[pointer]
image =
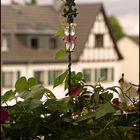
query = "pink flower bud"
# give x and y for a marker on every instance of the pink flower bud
(4, 115)
(74, 90)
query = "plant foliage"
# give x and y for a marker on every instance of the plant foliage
(89, 113)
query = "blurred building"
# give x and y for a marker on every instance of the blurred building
(129, 47)
(29, 45)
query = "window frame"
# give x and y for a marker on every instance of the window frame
(99, 43)
(52, 42)
(4, 44)
(37, 43)
(89, 79)
(109, 74)
(54, 76)
(14, 77)
(41, 75)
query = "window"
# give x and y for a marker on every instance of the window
(17, 74)
(34, 43)
(52, 42)
(9, 79)
(39, 76)
(99, 40)
(112, 74)
(106, 74)
(87, 75)
(101, 73)
(4, 44)
(52, 75)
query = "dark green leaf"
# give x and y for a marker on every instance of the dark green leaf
(64, 104)
(59, 54)
(107, 96)
(96, 97)
(7, 96)
(73, 74)
(31, 82)
(21, 84)
(66, 83)
(37, 91)
(34, 104)
(24, 94)
(79, 76)
(59, 80)
(83, 118)
(104, 109)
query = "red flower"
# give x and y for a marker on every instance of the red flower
(4, 115)
(70, 39)
(74, 90)
(115, 101)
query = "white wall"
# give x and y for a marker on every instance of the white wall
(130, 65)
(107, 52)
(28, 70)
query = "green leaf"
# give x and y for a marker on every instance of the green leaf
(21, 84)
(96, 97)
(51, 105)
(64, 104)
(59, 32)
(7, 96)
(59, 80)
(107, 96)
(49, 94)
(66, 83)
(103, 110)
(37, 92)
(79, 76)
(24, 94)
(34, 104)
(73, 74)
(83, 118)
(31, 82)
(59, 54)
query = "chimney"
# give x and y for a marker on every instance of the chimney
(57, 4)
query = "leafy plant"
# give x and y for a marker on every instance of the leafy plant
(89, 113)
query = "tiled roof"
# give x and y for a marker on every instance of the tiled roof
(15, 17)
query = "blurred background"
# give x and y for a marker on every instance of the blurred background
(126, 11)
(118, 53)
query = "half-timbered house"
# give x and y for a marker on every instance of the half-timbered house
(29, 45)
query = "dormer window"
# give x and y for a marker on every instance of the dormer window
(4, 44)
(52, 42)
(34, 43)
(99, 40)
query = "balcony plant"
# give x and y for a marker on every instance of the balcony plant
(87, 112)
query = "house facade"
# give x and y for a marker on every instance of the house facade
(29, 45)
(129, 46)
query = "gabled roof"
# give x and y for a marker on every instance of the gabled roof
(12, 17)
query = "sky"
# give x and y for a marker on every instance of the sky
(126, 11)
